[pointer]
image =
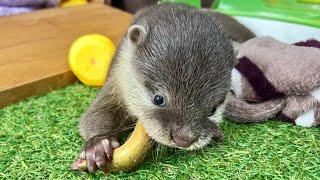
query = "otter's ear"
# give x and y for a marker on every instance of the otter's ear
(137, 34)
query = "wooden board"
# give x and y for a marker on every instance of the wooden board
(34, 47)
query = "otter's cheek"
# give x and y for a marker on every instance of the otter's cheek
(211, 131)
(217, 117)
(156, 131)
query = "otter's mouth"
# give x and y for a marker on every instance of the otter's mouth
(200, 143)
(182, 141)
(197, 143)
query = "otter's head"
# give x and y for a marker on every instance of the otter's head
(176, 81)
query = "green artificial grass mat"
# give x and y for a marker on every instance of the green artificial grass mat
(39, 139)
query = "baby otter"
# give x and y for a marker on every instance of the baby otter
(172, 71)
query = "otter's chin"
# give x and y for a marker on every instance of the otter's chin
(200, 143)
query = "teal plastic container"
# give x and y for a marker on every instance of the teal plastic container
(194, 3)
(296, 11)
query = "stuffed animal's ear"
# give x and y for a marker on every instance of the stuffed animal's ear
(137, 34)
(235, 46)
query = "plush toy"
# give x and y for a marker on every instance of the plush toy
(10, 7)
(70, 3)
(275, 79)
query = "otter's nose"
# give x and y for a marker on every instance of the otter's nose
(182, 141)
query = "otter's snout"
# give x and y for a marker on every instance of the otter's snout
(180, 139)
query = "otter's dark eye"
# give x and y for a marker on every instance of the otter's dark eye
(158, 100)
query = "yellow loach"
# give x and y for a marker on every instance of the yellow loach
(70, 3)
(131, 153)
(90, 57)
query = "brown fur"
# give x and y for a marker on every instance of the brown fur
(174, 51)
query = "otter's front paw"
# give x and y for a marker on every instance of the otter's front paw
(97, 152)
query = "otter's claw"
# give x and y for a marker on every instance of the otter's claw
(96, 153)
